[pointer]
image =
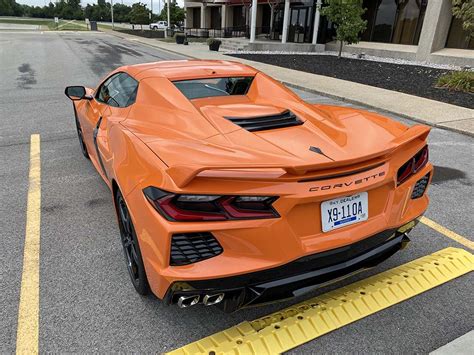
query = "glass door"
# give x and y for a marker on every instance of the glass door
(299, 30)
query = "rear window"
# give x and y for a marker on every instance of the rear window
(200, 88)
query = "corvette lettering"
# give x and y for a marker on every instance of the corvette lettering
(348, 184)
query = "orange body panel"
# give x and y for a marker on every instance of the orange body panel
(188, 147)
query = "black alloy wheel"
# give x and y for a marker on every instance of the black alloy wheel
(81, 140)
(133, 256)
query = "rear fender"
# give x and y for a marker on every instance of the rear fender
(133, 161)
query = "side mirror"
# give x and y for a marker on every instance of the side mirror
(76, 92)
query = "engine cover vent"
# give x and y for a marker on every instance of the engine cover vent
(261, 123)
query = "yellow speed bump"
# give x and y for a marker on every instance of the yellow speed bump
(298, 324)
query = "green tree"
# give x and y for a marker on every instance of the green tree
(10, 8)
(464, 11)
(346, 15)
(140, 15)
(69, 9)
(177, 13)
(98, 12)
(122, 13)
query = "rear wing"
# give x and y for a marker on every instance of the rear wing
(182, 175)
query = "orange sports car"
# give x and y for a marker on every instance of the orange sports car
(230, 190)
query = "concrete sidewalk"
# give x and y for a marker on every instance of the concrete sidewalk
(416, 108)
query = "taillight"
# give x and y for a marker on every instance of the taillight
(421, 158)
(185, 208)
(412, 166)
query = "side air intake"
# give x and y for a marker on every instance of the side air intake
(188, 248)
(261, 123)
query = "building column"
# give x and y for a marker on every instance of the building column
(316, 22)
(186, 15)
(223, 16)
(286, 17)
(253, 21)
(435, 28)
(203, 15)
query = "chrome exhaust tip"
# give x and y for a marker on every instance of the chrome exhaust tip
(210, 300)
(188, 301)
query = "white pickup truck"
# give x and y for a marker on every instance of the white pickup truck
(160, 25)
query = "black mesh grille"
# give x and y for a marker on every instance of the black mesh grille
(261, 123)
(192, 247)
(420, 187)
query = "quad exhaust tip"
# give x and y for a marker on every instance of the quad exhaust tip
(210, 300)
(188, 301)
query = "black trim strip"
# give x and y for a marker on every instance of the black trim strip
(99, 158)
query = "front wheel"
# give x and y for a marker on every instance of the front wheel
(133, 255)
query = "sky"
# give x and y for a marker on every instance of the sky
(157, 4)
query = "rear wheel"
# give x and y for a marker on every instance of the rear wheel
(133, 256)
(81, 140)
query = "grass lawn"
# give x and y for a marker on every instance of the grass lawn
(65, 25)
(106, 27)
(46, 24)
(37, 22)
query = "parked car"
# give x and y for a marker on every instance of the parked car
(230, 190)
(160, 25)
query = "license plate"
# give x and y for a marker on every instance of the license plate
(343, 211)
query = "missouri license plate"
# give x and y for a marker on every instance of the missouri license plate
(343, 211)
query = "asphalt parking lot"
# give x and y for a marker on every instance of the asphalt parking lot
(87, 303)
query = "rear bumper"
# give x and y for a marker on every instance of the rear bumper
(296, 277)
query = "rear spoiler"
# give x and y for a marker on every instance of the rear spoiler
(182, 175)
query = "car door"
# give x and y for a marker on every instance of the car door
(116, 98)
(93, 111)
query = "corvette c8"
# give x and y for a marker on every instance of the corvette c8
(230, 190)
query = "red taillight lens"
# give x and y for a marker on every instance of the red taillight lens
(413, 165)
(421, 158)
(185, 208)
(245, 207)
(170, 208)
(405, 171)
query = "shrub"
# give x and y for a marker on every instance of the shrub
(457, 81)
(464, 11)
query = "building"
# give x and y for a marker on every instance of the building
(422, 30)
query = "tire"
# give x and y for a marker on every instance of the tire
(131, 249)
(81, 139)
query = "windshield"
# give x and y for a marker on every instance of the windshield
(200, 88)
